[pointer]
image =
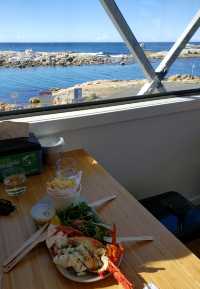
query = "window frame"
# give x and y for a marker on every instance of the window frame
(95, 104)
(154, 76)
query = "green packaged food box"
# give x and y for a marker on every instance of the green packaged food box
(25, 153)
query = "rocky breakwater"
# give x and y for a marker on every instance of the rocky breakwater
(185, 53)
(185, 78)
(29, 58)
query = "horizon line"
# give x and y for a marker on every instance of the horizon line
(24, 42)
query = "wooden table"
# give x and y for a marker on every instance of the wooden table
(166, 262)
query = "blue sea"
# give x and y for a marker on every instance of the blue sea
(28, 82)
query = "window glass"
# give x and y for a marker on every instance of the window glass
(63, 52)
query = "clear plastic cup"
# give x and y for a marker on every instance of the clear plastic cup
(64, 199)
(64, 189)
(66, 167)
(14, 180)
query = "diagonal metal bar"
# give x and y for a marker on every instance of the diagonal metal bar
(173, 53)
(179, 45)
(127, 35)
(150, 86)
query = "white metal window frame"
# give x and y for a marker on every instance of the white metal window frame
(156, 76)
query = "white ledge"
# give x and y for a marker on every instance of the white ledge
(57, 122)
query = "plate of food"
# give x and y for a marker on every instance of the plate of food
(75, 240)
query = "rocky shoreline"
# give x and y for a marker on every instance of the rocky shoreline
(99, 90)
(29, 58)
(104, 89)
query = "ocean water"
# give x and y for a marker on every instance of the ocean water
(93, 47)
(28, 82)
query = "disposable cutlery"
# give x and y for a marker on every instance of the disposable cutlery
(26, 244)
(130, 239)
(102, 201)
(19, 257)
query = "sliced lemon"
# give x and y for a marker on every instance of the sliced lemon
(70, 183)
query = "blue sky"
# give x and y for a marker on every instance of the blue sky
(85, 20)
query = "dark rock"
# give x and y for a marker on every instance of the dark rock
(34, 100)
(70, 59)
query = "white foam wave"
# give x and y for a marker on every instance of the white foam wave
(118, 55)
(101, 53)
(91, 53)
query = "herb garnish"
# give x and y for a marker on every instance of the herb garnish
(83, 218)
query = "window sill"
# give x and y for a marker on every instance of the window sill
(71, 120)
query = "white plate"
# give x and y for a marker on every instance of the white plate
(88, 278)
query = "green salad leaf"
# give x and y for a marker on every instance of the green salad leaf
(83, 218)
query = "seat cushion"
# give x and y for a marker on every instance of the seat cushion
(176, 213)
